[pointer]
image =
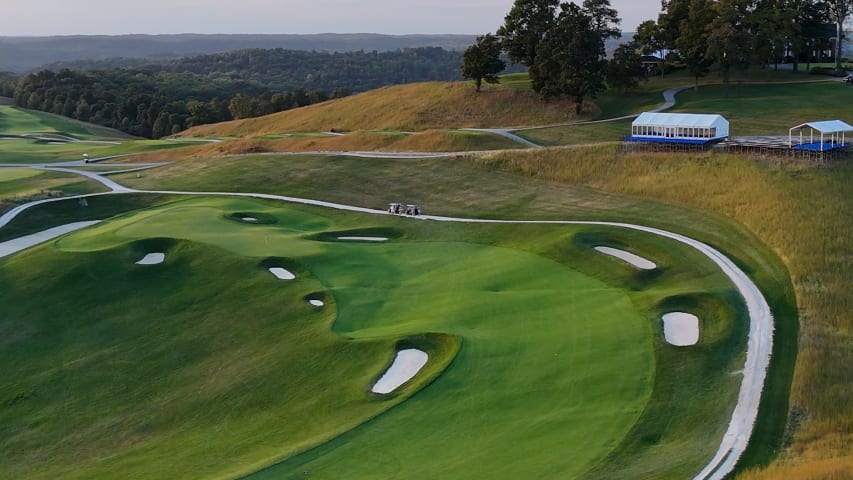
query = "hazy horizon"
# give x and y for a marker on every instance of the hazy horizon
(159, 17)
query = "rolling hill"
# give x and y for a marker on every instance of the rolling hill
(412, 107)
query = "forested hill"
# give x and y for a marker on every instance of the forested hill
(160, 99)
(22, 54)
(283, 70)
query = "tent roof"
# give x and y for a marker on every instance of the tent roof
(678, 119)
(827, 126)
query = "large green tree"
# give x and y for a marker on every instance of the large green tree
(671, 20)
(650, 39)
(605, 19)
(482, 61)
(570, 59)
(625, 69)
(692, 39)
(524, 28)
(839, 10)
(728, 35)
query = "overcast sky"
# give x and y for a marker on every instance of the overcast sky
(112, 17)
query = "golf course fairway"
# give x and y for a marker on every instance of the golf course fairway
(207, 366)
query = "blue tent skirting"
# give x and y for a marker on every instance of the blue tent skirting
(818, 147)
(677, 141)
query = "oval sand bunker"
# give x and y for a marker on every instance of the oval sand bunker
(316, 303)
(152, 259)
(406, 365)
(628, 257)
(282, 274)
(249, 219)
(364, 239)
(681, 329)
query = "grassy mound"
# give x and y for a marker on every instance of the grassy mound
(414, 107)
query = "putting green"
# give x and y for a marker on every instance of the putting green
(206, 366)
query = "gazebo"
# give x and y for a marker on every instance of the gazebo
(832, 136)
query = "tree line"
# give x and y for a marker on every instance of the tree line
(161, 99)
(562, 43)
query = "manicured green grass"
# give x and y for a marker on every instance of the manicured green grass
(16, 121)
(20, 185)
(478, 187)
(163, 380)
(31, 151)
(578, 134)
(770, 109)
(13, 174)
(750, 109)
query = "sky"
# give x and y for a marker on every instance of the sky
(114, 17)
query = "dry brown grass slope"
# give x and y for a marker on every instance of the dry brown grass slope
(413, 107)
(426, 141)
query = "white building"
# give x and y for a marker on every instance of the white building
(679, 128)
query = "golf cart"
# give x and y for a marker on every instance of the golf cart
(401, 209)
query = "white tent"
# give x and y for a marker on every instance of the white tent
(680, 126)
(835, 129)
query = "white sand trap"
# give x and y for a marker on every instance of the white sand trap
(282, 274)
(152, 259)
(406, 365)
(634, 260)
(316, 303)
(365, 239)
(249, 219)
(681, 329)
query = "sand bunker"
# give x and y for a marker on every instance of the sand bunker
(365, 239)
(249, 219)
(681, 329)
(316, 303)
(406, 365)
(634, 260)
(282, 274)
(152, 259)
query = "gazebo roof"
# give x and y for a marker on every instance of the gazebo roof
(699, 120)
(826, 126)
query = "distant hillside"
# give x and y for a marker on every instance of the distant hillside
(284, 70)
(414, 107)
(21, 54)
(162, 99)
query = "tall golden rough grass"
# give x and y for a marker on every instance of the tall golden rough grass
(426, 141)
(805, 214)
(414, 107)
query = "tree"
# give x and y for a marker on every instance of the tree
(670, 21)
(839, 10)
(240, 106)
(771, 24)
(625, 69)
(727, 36)
(605, 19)
(692, 38)
(524, 28)
(650, 40)
(482, 61)
(570, 59)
